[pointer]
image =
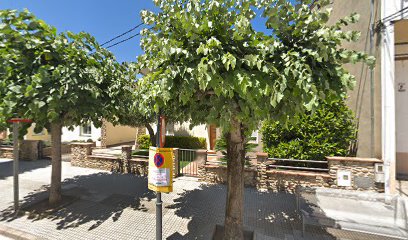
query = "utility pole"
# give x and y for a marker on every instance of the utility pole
(16, 156)
(16, 152)
(158, 194)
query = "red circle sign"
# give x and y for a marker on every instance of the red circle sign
(158, 160)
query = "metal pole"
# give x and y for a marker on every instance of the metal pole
(15, 164)
(372, 109)
(158, 194)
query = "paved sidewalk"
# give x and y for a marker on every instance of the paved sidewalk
(119, 206)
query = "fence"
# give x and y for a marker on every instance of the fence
(301, 165)
(189, 161)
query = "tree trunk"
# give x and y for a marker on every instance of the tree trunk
(235, 186)
(151, 134)
(55, 189)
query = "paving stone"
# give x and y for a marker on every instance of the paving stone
(119, 206)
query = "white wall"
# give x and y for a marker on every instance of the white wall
(401, 97)
(68, 136)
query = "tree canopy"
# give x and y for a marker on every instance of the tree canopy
(207, 57)
(49, 77)
(56, 80)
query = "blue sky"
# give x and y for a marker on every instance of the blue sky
(102, 18)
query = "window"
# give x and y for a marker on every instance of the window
(86, 130)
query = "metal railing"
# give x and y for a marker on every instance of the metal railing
(188, 161)
(305, 165)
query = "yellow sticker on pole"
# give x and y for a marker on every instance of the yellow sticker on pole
(160, 178)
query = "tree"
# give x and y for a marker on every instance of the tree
(138, 108)
(55, 79)
(208, 58)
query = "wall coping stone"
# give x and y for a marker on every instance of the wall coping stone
(212, 166)
(6, 148)
(138, 160)
(103, 157)
(262, 154)
(299, 173)
(81, 144)
(354, 159)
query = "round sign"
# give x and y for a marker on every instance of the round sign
(158, 160)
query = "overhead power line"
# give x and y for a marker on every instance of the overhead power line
(392, 16)
(120, 35)
(122, 41)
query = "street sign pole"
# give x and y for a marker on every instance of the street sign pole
(15, 164)
(158, 194)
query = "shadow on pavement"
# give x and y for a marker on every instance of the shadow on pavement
(269, 214)
(101, 196)
(6, 167)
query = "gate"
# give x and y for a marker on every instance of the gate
(189, 160)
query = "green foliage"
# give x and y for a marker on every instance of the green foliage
(144, 141)
(328, 131)
(140, 153)
(221, 145)
(186, 142)
(50, 77)
(206, 59)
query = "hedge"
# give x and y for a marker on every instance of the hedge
(175, 142)
(327, 132)
(144, 141)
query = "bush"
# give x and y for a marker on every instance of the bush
(144, 141)
(186, 142)
(327, 132)
(140, 153)
(221, 146)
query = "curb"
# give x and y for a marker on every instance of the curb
(16, 234)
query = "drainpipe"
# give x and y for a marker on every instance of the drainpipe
(372, 129)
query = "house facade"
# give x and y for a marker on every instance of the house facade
(107, 135)
(379, 99)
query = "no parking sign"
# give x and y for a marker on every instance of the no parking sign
(160, 169)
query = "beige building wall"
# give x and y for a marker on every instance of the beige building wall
(43, 136)
(401, 97)
(119, 134)
(359, 97)
(183, 129)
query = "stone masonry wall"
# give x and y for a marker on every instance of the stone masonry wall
(138, 166)
(362, 172)
(288, 180)
(218, 174)
(82, 157)
(29, 150)
(6, 152)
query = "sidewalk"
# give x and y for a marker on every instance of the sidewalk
(116, 206)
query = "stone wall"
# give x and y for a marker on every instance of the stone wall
(289, 180)
(362, 175)
(80, 153)
(82, 157)
(218, 174)
(65, 149)
(362, 172)
(138, 166)
(6, 152)
(30, 150)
